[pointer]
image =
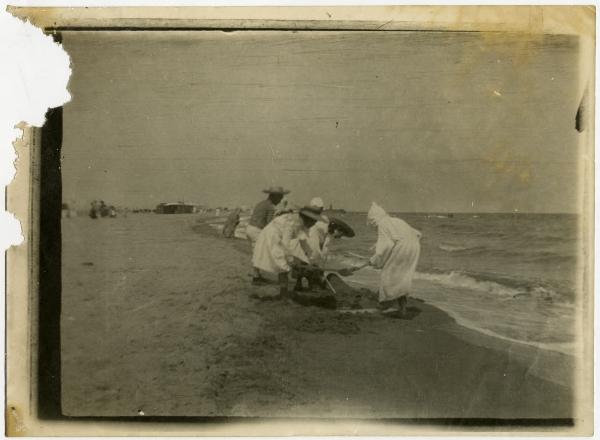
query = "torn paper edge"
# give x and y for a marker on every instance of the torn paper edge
(35, 74)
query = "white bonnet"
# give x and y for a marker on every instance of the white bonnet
(317, 202)
(376, 213)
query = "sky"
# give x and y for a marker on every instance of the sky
(417, 121)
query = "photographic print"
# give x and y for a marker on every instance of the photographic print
(345, 223)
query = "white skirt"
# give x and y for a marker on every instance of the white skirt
(399, 268)
(252, 233)
(269, 254)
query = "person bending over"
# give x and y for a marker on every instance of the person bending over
(283, 243)
(396, 253)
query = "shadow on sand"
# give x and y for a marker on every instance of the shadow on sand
(323, 299)
(326, 300)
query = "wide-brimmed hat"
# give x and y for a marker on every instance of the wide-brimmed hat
(375, 214)
(312, 212)
(343, 227)
(276, 190)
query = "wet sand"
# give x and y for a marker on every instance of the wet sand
(159, 318)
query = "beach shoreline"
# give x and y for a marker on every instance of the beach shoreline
(188, 335)
(532, 355)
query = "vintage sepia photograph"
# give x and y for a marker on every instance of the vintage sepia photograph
(345, 223)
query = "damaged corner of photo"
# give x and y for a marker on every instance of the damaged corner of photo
(34, 79)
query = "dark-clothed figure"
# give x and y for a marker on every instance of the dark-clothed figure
(94, 209)
(104, 212)
(262, 215)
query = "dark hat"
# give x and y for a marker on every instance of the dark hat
(313, 213)
(343, 227)
(276, 190)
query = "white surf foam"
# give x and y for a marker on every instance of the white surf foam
(459, 280)
(461, 285)
(568, 348)
(453, 248)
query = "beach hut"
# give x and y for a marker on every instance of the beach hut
(176, 208)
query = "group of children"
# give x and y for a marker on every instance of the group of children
(296, 241)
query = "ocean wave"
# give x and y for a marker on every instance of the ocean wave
(524, 254)
(489, 283)
(550, 238)
(471, 230)
(552, 258)
(485, 284)
(460, 280)
(458, 248)
(569, 348)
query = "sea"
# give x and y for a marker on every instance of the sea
(514, 276)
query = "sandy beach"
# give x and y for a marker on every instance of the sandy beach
(159, 318)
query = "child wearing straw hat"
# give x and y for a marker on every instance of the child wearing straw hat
(284, 241)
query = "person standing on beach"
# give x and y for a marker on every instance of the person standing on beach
(262, 215)
(396, 253)
(233, 220)
(283, 242)
(94, 210)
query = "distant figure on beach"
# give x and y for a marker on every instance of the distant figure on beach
(396, 253)
(233, 220)
(262, 215)
(283, 242)
(104, 211)
(94, 209)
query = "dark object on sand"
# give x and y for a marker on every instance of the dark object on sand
(320, 298)
(336, 224)
(348, 297)
(260, 281)
(231, 223)
(312, 274)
